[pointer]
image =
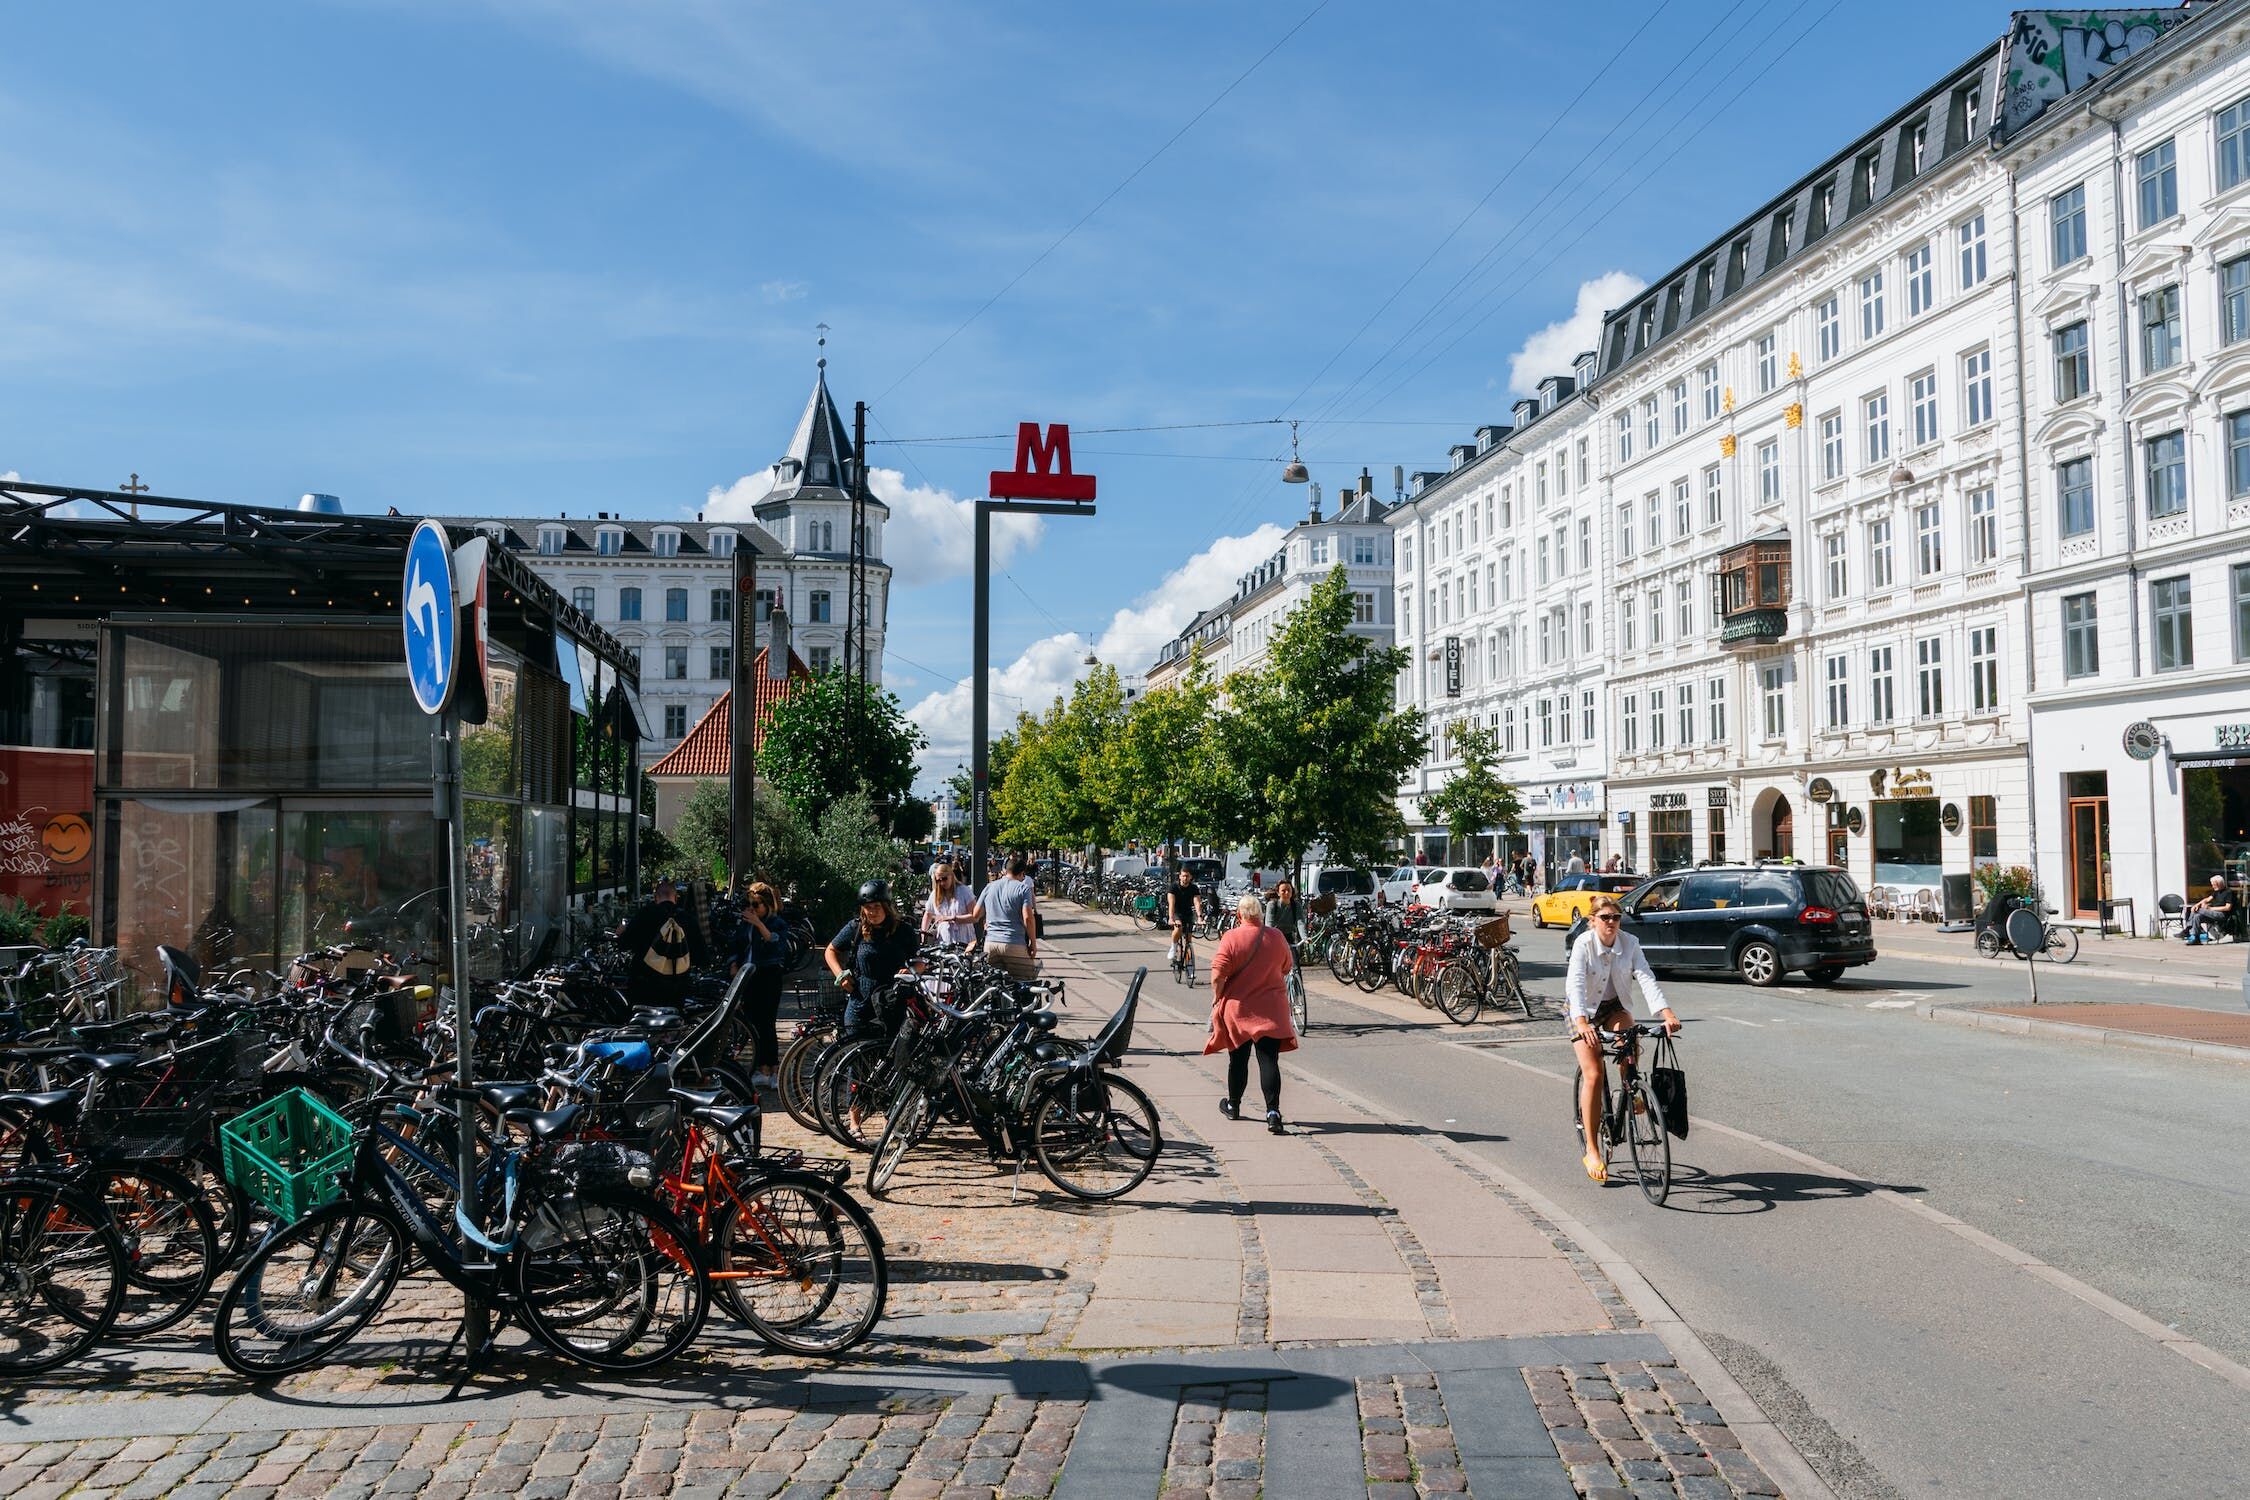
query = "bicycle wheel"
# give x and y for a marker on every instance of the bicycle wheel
(1370, 971)
(908, 1122)
(798, 1069)
(1096, 1136)
(1340, 959)
(2062, 943)
(1299, 1016)
(855, 1093)
(1460, 993)
(609, 1278)
(62, 1275)
(171, 1247)
(309, 1289)
(801, 1263)
(1989, 942)
(1650, 1144)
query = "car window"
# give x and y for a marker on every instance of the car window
(1710, 891)
(1769, 888)
(1470, 880)
(1403, 872)
(1618, 885)
(1431, 877)
(1832, 889)
(1663, 895)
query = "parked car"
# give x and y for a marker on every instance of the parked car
(1206, 870)
(1574, 896)
(1446, 887)
(1124, 867)
(1399, 886)
(1761, 921)
(1339, 881)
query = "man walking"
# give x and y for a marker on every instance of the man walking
(1010, 912)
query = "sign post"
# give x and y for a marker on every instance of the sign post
(432, 617)
(1041, 483)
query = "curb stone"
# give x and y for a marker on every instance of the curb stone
(2070, 1031)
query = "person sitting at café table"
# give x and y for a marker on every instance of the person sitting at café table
(2211, 920)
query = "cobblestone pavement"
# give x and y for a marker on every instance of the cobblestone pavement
(1640, 1429)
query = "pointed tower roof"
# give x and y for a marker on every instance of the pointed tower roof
(817, 464)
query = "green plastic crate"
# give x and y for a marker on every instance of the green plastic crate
(288, 1154)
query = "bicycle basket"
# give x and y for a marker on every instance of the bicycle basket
(1669, 1084)
(289, 1154)
(129, 1135)
(1493, 934)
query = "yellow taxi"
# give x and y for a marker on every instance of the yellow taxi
(1573, 897)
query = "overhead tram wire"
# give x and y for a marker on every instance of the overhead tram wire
(1150, 161)
(1478, 207)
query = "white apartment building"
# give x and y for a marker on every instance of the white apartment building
(2132, 206)
(1808, 482)
(666, 588)
(1500, 603)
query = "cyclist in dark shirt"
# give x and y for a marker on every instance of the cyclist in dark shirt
(1180, 902)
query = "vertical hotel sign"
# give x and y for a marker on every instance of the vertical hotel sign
(1453, 666)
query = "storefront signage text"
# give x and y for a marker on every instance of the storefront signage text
(1821, 790)
(1916, 783)
(1715, 796)
(1660, 800)
(2233, 736)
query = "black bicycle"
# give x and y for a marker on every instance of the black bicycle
(1632, 1112)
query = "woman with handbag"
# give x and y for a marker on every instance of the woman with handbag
(1250, 1009)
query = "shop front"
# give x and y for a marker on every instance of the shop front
(1562, 821)
(1919, 829)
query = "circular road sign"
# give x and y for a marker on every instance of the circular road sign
(427, 612)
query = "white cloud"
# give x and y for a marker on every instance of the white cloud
(1048, 667)
(783, 291)
(931, 535)
(1552, 348)
(11, 477)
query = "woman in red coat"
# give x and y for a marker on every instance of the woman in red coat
(1250, 1009)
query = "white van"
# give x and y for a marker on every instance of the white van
(1124, 867)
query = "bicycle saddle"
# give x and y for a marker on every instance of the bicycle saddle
(651, 1018)
(725, 1118)
(41, 1052)
(102, 1030)
(696, 1098)
(1043, 1020)
(509, 1098)
(108, 1063)
(546, 1124)
(53, 1104)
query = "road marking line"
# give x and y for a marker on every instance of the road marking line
(1737, 1020)
(1890, 1005)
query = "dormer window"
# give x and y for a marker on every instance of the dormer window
(820, 471)
(667, 544)
(1824, 207)
(609, 541)
(551, 541)
(497, 533)
(722, 544)
(1869, 165)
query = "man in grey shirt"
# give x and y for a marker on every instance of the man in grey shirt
(1011, 920)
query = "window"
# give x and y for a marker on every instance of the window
(1686, 695)
(1716, 696)
(2074, 369)
(1879, 553)
(2066, 215)
(1679, 407)
(675, 604)
(675, 663)
(1625, 529)
(1984, 528)
(1541, 571)
(1837, 547)
(1877, 411)
(722, 605)
(1929, 675)
(1918, 146)
(2234, 300)
(1881, 703)
(1656, 726)
(1585, 543)
(1976, 388)
(2238, 455)
(1828, 329)
(1585, 461)
(1984, 831)
(1839, 692)
(1562, 548)
(1653, 520)
(1710, 395)
(1769, 368)
(2241, 577)
(722, 662)
(1546, 639)
(1586, 715)
(628, 604)
(2082, 642)
(1624, 437)
(1628, 612)
(1921, 281)
(667, 544)
(2167, 475)
(2173, 624)
(1869, 165)
(1656, 617)
(1970, 237)
(609, 543)
(1586, 627)
(675, 720)
(1319, 547)
(2158, 175)
(1683, 508)
(1773, 690)
(1652, 430)
(550, 541)
(1922, 407)
(1832, 445)
(1363, 608)
(1871, 305)
(722, 544)
(1769, 472)
(2160, 329)
(1363, 547)
(819, 614)
(1971, 104)
(582, 599)
(1984, 669)
(1629, 716)
(823, 657)
(1929, 540)
(2234, 143)
(2074, 487)
(1683, 605)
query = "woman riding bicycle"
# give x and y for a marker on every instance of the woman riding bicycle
(1602, 962)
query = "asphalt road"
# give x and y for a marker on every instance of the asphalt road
(1903, 1357)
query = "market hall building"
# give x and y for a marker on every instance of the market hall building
(208, 739)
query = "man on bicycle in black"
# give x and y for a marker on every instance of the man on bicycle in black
(1602, 962)
(1182, 903)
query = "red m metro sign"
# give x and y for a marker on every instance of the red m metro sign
(1042, 470)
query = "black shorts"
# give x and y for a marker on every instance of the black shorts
(1609, 1012)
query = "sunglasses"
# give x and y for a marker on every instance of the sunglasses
(1607, 916)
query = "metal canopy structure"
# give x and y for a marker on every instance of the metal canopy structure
(68, 553)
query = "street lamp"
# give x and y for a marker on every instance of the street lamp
(1295, 472)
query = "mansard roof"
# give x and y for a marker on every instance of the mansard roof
(818, 462)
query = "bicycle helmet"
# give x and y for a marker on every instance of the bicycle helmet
(874, 890)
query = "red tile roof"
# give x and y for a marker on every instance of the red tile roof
(708, 749)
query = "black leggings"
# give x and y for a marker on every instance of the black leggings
(1269, 1071)
(762, 1001)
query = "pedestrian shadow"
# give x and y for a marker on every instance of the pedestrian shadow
(1286, 1389)
(1696, 1191)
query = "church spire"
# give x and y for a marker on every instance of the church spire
(817, 463)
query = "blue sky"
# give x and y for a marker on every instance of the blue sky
(543, 255)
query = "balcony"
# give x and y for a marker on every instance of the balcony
(1753, 585)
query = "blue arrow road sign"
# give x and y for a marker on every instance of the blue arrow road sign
(427, 608)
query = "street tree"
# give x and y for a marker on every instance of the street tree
(1057, 790)
(1164, 774)
(1474, 798)
(1314, 744)
(835, 734)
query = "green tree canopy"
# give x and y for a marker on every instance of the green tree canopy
(1057, 791)
(1315, 745)
(1163, 773)
(836, 734)
(1474, 798)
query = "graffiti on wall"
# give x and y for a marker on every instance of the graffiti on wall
(46, 833)
(2053, 53)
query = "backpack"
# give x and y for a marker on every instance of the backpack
(667, 950)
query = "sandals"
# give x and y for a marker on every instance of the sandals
(1596, 1168)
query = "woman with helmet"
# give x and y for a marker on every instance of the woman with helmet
(869, 952)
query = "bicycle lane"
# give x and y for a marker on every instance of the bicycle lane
(1352, 1240)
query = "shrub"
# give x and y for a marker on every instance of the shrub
(2005, 880)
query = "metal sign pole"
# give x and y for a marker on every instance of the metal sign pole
(476, 1327)
(980, 713)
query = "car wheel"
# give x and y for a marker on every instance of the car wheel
(1538, 919)
(1824, 973)
(1759, 963)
